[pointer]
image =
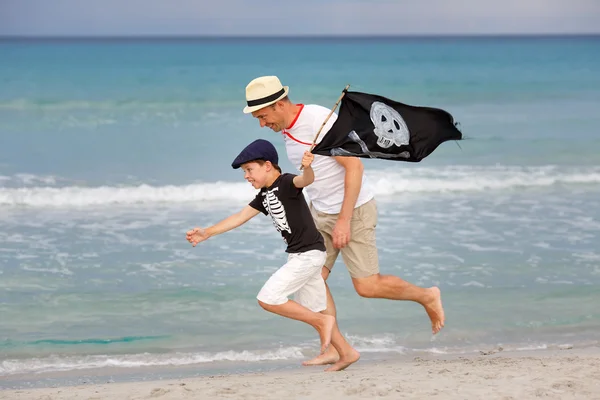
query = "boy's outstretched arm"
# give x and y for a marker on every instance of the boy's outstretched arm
(197, 235)
(308, 175)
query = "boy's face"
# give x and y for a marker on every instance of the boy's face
(256, 174)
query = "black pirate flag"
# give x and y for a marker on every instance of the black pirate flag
(372, 126)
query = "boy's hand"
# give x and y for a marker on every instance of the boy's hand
(196, 235)
(307, 159)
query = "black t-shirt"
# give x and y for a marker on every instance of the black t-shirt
(291, 216)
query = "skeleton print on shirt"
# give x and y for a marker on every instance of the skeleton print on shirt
(274, 207)
(291, 216)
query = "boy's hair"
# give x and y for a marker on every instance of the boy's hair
(262, 162)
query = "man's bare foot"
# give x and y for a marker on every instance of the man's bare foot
(435, 310)
(329, 357)
(325, 331)
(345, 362)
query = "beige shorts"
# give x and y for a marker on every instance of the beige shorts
(360, 255)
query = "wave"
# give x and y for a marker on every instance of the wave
(479, 178)
(79, 362)
(380, 344)
(384, 182)
(78, 196)
(93, 341)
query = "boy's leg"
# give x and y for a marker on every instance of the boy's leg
(331, 355)
(322, 323)
(325, 224)
(312, 295)
(290, 278)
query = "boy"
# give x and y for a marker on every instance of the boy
(281, 197)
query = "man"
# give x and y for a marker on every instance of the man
(342, 205)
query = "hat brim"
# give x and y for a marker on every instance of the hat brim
(249, 110)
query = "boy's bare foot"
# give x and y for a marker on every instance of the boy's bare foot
(325, 331)
(435, 310)
(345, 362)
(329, 357)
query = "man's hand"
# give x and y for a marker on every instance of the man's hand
(196, 235)
(341, 233)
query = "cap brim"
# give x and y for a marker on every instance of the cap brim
(249, 110)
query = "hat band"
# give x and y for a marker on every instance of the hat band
(258, 102)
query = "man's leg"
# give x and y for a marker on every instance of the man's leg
(323, 323)
(340, 353)
(331, 355)
(394, 288)
(324, 224)
(362, 260)
(346, 354)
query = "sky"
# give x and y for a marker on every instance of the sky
(300, 17)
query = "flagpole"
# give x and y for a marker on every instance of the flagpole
(329, 116)
(327, 119)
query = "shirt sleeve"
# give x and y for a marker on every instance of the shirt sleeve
(287, 182)
(257, 203)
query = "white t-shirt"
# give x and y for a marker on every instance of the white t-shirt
(327, 191)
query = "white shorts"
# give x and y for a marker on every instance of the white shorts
(301, 276)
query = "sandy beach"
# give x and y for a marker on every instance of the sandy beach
(551, 374)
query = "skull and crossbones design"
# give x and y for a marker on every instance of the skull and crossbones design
(390, 129)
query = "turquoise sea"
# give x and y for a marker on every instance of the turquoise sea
(111, 149)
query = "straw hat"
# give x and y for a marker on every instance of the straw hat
(264, 91)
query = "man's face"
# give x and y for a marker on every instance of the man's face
(271, 117)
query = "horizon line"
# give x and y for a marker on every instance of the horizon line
(296, 36)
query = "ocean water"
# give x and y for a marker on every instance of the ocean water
(111, 150)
